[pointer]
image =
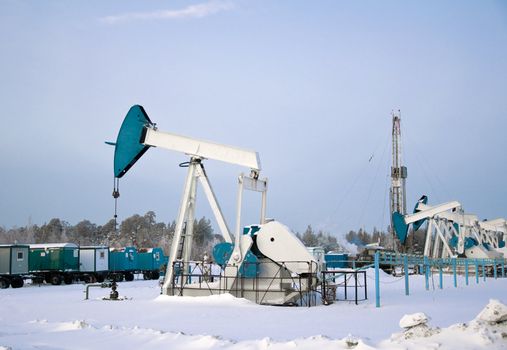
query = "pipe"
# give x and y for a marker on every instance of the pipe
(101, 285)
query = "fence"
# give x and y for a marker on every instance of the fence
(198, 278)
(329, 290)
(425, 265)
(260, 282)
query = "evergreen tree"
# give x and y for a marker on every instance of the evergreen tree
(309, 238)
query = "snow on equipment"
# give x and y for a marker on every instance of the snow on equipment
(266, 263)
(451, 232)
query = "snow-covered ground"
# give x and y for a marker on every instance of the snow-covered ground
(58, 317)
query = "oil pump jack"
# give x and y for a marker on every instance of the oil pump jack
(264, 262)
(449, 231)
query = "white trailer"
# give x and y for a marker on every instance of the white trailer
(93, 263)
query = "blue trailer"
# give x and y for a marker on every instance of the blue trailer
(123, 263)
(150, 262)
(336, 260)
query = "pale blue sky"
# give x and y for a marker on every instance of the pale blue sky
(308, 84)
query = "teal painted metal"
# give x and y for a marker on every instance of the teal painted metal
(416, 225)
(426, 263)
(426, 273)
(61, 258)
(251, 230)
(440, 279)
(454, 272)
(476, 271)
(469, 242)
(123, 259)
(405, 266)
(250, 266)
(453, 242)
(501, 244)
(400, 227)
(466, 272)
(222, 252)
(377, 279)
(336, 260)
(129, 147)
(150, 259)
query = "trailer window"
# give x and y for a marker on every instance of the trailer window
(20, 256)
(102, 255)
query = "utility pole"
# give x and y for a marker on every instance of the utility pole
(397, 194)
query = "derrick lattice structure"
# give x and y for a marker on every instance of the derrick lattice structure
(397, 196)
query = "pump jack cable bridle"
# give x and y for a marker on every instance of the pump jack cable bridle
(193, 160)
(116, 194)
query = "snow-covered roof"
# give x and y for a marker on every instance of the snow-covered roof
(145, 250)
(122, 249)
(337, 253)
(53, 245)
(374, 246)
(148, 250)
(93, 247)
(315, 248)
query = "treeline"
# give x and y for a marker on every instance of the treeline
(139, 231)
(362, 237)
(145, 231)
(413, 244)
(310, 238)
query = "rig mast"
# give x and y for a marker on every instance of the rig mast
(397, 195)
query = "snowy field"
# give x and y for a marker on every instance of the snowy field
(58, 317)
